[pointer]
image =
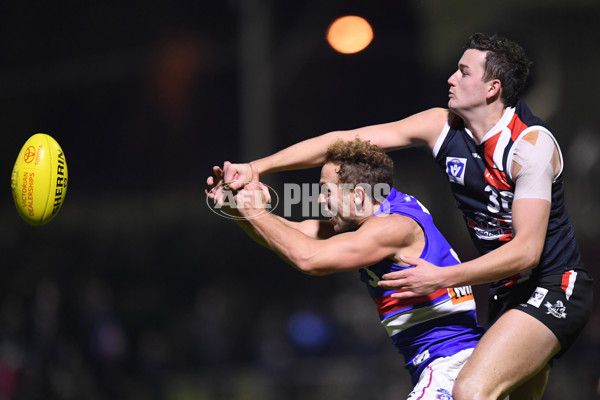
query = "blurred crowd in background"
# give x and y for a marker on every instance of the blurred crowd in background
(138, 291)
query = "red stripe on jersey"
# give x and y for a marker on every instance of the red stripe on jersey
(493, 176)
(388, 304)
(496, 178)
(489, 148)
(516, 126)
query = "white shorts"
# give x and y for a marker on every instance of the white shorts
(437, 380)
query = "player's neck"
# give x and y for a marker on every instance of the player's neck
(370, 210)
(480, 120)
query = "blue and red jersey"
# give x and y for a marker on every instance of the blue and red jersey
(427, 327)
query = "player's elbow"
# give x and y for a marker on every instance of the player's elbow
(534, 259)
(530, 256)
(308, 265)
(312, 269)
(315, 272)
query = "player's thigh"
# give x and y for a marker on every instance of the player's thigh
(512, 351)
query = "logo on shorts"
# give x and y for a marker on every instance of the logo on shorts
(443, 394)
(455, 168)
(537, 297)
(557, 310)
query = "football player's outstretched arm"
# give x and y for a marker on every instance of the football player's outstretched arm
(421, 129)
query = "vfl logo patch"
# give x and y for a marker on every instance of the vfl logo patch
(537, 297)
(455, 168)
(557, 310)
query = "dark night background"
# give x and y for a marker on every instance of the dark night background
(137, 290)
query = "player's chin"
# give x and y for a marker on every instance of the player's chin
(452, 103)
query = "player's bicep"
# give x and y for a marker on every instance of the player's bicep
(377, 239)
(419, 129)
(350, 251)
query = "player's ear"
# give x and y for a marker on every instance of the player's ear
(359, 197)
(494, 87)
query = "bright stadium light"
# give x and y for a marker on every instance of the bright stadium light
(349, 34)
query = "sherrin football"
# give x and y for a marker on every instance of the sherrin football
(39, 179)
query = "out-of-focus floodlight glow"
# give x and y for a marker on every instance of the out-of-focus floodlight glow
(349, 34)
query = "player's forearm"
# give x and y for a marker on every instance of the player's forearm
(234, 213)
(306, 154)
(506, 261)
(250, 231)
(246, 227)
(290, 244)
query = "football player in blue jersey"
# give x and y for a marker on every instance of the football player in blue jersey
(505, 172)
(371, 225)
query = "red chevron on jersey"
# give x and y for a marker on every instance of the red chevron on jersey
(493, 175)
(497, 179)
(387, 305)
(516, 126)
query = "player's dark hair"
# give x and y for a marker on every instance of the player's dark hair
(506, 61)
(361, 162)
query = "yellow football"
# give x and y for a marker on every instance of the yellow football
(39, 179)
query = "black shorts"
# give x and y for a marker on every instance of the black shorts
(562, 302)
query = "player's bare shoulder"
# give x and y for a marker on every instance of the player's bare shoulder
(437, 119)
